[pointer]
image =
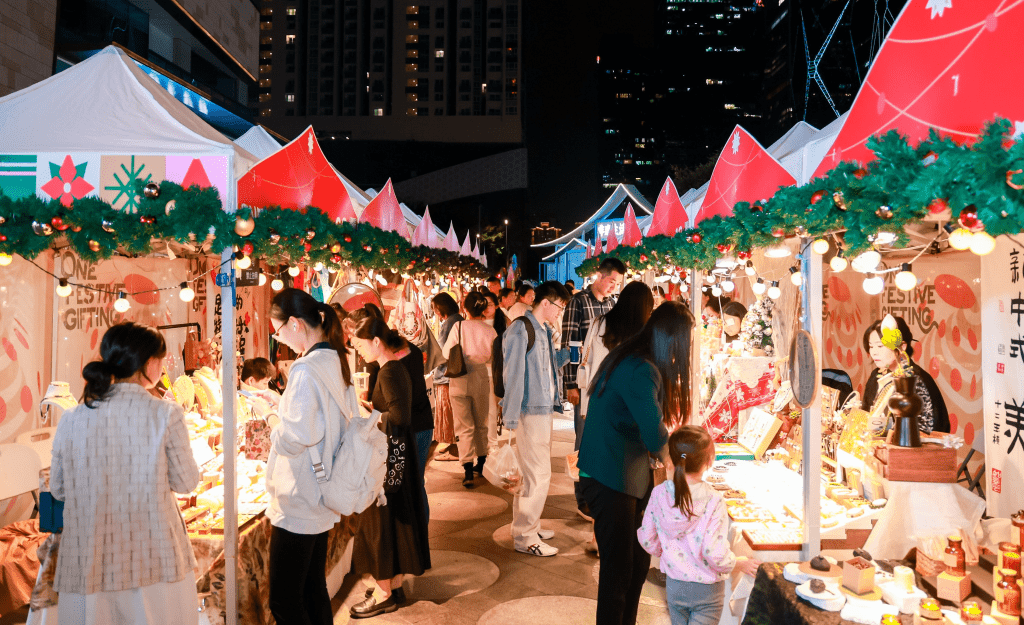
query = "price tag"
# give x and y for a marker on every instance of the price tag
(248, 277)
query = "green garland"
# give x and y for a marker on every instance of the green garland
(978, 177)
(96, 230)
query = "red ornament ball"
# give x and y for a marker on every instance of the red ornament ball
(723, 248)
(307, 246)
(58, 224)
(368, 248)
(744, 255)
(3, 237)
(643, 258)
(348, 239)
(697, 238)
(148, 220)
(778, 233)
(756, 208)
(247, 248)
(860, 174)
(336, 259)
(817, 196)
(938, 205)
(969, 218)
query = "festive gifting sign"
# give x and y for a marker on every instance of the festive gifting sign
(1002, 357)
(744, 172)
(86, 314)
(942, 67)
(944, 315)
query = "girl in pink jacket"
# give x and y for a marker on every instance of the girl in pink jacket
(686, 526)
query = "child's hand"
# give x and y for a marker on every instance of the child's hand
(748, 566)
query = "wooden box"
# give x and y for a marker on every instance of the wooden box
(952, 587)
(928, 463)
(859, 575)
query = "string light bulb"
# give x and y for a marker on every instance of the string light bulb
(5, 259)
(187, 294)
(263, 278)
(960, 239)
(982, 243)
(905, 279)
(63, 288)
(749, 269)
(866, 261)
(758, 287)
(820, 246)
(122, 304)
(838, 262)
(774, 291)
(318, 267)
(244, 262)
(796, 277)
(710, 278)
(293, 271)
(874, 285)
(728, 286)
(277, 284)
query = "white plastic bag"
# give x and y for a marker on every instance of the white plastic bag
(502, 469)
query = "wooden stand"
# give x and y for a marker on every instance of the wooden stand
(930, 462)
(953, 587)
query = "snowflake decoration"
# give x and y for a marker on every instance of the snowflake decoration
(1018, 130)
(736, 142)
(938, 6)
(126, 187)
(68, 183)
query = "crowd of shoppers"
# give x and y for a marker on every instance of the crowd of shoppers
(634, 348)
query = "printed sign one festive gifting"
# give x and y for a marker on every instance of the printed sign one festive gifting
(1002, 312)
(944, 315)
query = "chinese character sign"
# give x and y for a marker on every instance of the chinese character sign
(251, 337)
(1002, 292)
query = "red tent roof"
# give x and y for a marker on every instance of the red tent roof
(613, 241)
(943, 66)
(631, 235)
(384, 212)
(669, 214)
(296, 176)
(744, 172)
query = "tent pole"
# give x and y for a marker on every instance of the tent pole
(227, 298)
(810, 320)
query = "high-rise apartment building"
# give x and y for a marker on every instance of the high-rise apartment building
(389, 70)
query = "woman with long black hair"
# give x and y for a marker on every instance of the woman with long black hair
(319, 390)
(118, 459)
(641, 387)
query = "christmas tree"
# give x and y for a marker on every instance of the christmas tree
(756, 328)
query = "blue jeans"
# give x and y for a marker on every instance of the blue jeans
(693, 603)
(423, 440)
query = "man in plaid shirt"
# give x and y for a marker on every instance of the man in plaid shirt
(583, 308)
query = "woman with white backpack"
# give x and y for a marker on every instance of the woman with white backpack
(315, 410)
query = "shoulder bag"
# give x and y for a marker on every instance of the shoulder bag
(456, 361)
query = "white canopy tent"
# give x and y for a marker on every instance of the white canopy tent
(258, 142)
(107, 105)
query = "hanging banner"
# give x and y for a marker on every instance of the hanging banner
(944, 315)
(1002, 291)
(85, 315)
(24, 351)
(251, 337)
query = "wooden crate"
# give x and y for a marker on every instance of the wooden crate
(928, 463)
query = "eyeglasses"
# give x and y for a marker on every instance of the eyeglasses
(277, 326)
(560, 307)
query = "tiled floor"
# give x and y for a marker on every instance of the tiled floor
(477, 578)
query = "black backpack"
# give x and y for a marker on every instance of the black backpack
(498, 358)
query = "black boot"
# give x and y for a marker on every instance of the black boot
(468, 480)
(479, 468)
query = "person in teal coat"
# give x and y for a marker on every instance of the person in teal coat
(640, 388)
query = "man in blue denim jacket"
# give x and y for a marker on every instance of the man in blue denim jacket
(533, 393)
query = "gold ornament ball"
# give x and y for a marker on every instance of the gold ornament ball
(42, 229)
(151, 190)
(275, 238)
(244, 226)
(336, 248)
(884, 212)
(840, 200)
(310, 234)
(94, 245)
(107, 225)
(168, 208)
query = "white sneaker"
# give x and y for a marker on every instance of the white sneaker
(539, 549)
(546, 534)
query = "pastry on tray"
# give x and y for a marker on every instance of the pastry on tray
(734, 494)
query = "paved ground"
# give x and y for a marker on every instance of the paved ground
(477, 578)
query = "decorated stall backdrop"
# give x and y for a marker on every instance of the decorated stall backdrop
(1002, 289)
(84, 316)
(24, 357)
(944, 315)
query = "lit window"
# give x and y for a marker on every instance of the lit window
(264, 83)
(290, 11)
(439, 54)
(730, 107)
(289, 40)
(378, 112)
(412, 97)
(414, 10)
(412, 82)
(411, 67)
(413, 25)
(483, 88)
(290, 97)
(412, 54)
(410, 111)
(264, 97)
(412, 39)
(264, 112)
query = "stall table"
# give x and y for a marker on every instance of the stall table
(253, 563)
